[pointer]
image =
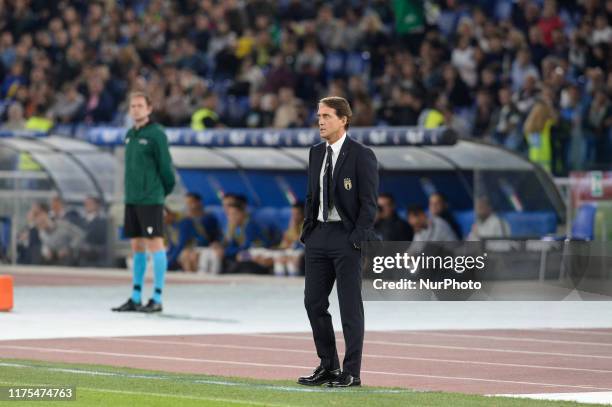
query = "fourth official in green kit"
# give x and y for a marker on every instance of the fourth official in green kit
(149, 178)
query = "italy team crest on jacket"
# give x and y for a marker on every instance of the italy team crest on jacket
(348, 184)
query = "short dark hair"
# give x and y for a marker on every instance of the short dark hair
(194, 195)
(43, 206)
(387, 195)
(96, 199)
(238, 205)
(441, 195)
(241, 199)
(299, 205)
(341, 106)
(415, 209)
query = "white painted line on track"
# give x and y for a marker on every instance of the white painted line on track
(574, 331)
(199, 380)
(506, 338)
(397, 374)
(365, 355)
(422, 345)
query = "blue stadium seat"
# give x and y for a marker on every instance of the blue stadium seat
(465, 219)
(217, 210)
(583, 227)
(5, 236)
(531, 224)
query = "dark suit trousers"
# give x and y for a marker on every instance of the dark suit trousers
(330, 256)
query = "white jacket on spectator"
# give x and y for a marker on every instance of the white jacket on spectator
(492, 227)
(62, 235)
(438, 231)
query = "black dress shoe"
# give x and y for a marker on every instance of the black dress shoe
(345, 380)
(319, 376)
(128, 306)
(151, 307)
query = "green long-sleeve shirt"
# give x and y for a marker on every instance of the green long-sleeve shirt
(149, 175)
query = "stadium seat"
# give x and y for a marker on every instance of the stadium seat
(583, 227)
(603, 222)
(217, 211)
(465, 219)
(531, 224)
(5, 236)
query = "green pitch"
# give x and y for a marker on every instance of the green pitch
(108, 386)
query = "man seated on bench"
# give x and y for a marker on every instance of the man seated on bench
(286, 259)
(232, 254)
(197, 229)
(488, 224)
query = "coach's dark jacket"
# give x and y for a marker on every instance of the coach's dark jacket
(355, 188)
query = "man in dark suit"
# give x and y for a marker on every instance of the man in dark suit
(339, 216)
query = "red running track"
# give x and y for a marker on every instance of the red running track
(480, 362)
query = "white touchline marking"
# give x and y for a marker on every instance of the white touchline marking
(140, 356)
(174, 396)
(365, 355)
(422, 345)
(148, 376)
(505, 338)
(574, 331)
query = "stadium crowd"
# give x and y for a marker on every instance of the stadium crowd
(535, 76)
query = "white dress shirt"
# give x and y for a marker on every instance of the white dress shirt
(333, 215)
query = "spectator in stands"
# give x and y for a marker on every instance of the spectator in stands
(427, 229)
(39, 119)
(455, 88)
(175, 50)
(15, 119)
(537, 128)
(287, 113)
(206, 117)
(95, 248)
(29, 245)
(506, 122)
(60, 212)
(60, 240)
(438, 206)
(388, 224)
(287, 258)
(177, 107)
(522, 67)
(196, 229)
(363, 111)
(99, 106)
(482, 116)
(232, 254)
(525, 98)
(598, 122)
(488, 224)
(403, 109)
(171, 237)
(69, 104)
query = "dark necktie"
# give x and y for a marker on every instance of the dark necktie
(328, 199)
